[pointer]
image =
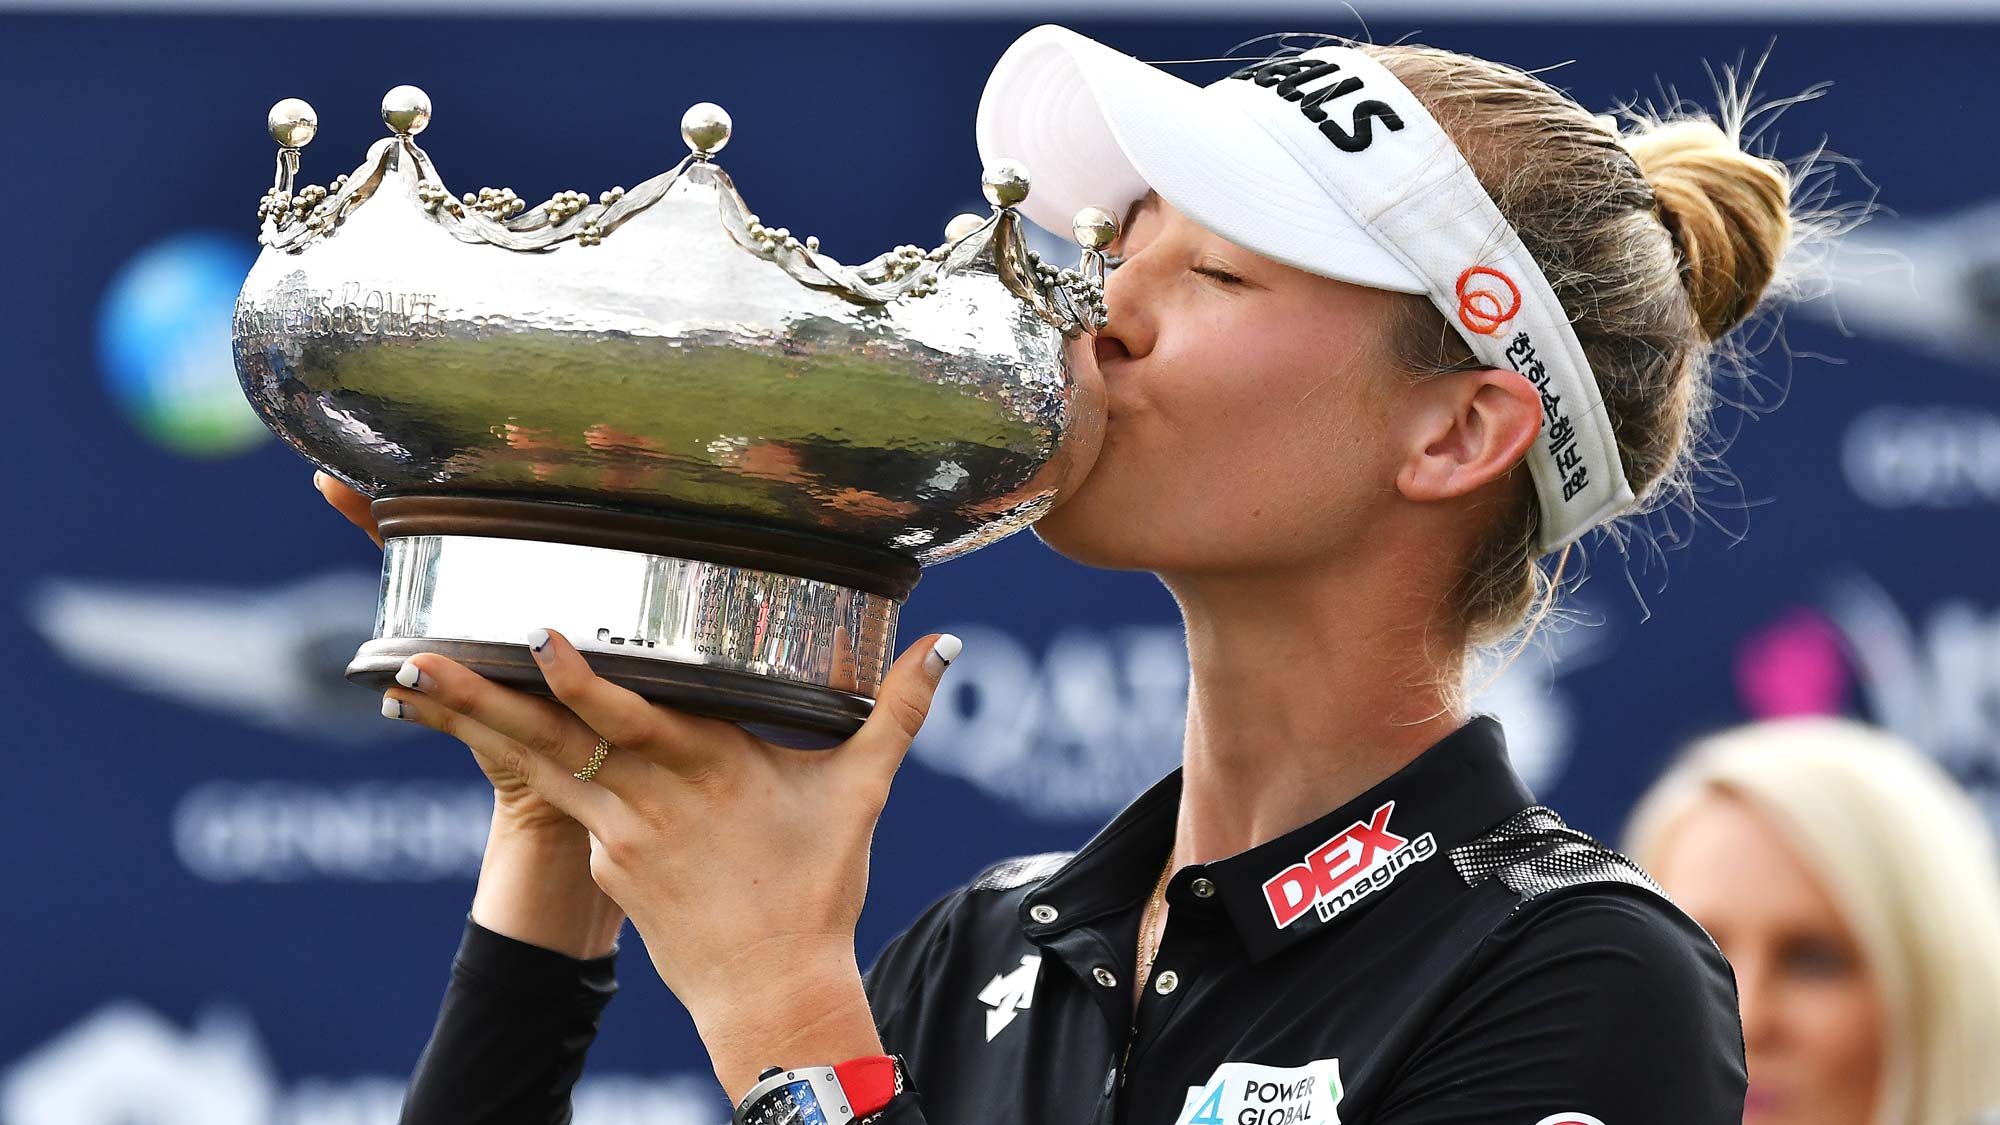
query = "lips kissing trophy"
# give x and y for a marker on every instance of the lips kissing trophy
(710, 454)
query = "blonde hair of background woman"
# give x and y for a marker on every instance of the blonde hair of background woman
(1909, 862)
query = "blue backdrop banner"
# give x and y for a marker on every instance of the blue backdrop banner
(238, 888)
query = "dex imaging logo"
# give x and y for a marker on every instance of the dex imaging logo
(163, 341)
(1358, 861)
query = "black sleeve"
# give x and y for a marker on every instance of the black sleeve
(903, 1109)
(517, 1021)
(1599, 1003)
(511, 1036)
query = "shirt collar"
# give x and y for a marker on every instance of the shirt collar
(1309, 879)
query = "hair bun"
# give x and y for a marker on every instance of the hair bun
(1729, 213)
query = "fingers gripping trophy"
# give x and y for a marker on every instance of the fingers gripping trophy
(705, 450)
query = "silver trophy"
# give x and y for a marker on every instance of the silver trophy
(713, 456)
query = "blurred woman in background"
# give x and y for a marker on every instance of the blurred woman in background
(1854, 890)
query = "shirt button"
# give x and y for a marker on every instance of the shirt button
(1202, 888)
(1104, 977)
(1166, 982)
(1042, 912)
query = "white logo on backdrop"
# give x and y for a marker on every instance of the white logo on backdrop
(1937, 685)
(1923, 457)
(1930, 284)
(272, 657)
(276, 659)
(1081, 729)
(125, 1064)
(1074, 732)
(371, 831)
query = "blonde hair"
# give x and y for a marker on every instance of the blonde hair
(1910, 863)
(1658, 243)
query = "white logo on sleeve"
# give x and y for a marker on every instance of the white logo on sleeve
(1010, 994)
(1241, 1093)
(1570, 1118)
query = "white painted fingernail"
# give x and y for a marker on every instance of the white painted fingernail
(943, 653)
(538, 639)
(410, 676)
(392, 708)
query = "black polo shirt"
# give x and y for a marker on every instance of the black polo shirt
(1437, 950)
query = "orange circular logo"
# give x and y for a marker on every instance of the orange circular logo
(1481, 309)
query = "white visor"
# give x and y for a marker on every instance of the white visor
(1326, 162)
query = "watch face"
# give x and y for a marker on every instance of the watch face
(790, 1104)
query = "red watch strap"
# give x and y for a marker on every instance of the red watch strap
(869, 1082)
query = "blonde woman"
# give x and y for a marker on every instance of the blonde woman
(1393, 326)
(1854, 890)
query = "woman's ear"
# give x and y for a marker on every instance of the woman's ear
(1465, 430)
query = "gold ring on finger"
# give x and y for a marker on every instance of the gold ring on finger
(597, 756)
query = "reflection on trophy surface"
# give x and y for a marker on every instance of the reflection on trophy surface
(711, 455)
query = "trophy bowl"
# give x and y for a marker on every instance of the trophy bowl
(713, 456)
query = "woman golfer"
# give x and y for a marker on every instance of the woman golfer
(1392, 324)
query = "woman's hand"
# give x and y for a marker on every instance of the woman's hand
(512, 797)
(535, 880)
(743, 864)
(357, 508)
(532, 880)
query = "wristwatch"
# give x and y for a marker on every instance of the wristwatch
(853, 1091)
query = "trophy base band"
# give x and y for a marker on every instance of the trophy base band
(795, 658)
(789, 714)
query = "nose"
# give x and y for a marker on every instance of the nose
(1128, 330)
(1763, 1021)
(1110, 349)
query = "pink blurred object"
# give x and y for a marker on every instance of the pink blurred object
(1795, 666)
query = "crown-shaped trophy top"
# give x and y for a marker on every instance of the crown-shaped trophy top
(295, 218)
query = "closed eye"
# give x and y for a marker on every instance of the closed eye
(1221, 275)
